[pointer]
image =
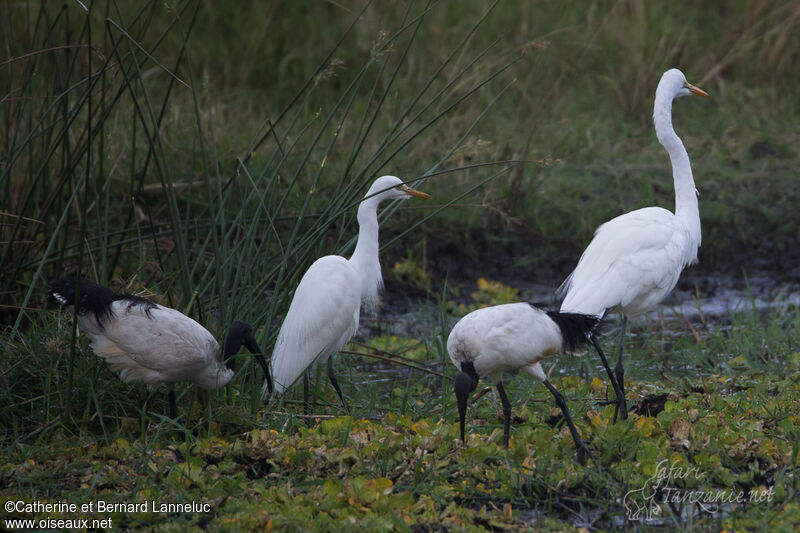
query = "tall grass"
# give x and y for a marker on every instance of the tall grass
(582, 105)
(113, 169)
(204, 154)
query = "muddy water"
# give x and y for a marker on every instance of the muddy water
(706, 298)
(697, 301)
(717, 297)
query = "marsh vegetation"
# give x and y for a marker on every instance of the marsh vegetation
(203, 154)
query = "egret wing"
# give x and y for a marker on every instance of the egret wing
(322, 317)
(631, 256)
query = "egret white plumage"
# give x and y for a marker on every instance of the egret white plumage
(493, 340)
(635, 259)
(152, 344)
(326, 305)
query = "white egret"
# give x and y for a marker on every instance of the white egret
(148, 343)
(325, 308)
(635, 259)
(493, 340)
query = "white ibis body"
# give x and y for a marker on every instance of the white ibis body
(148, 343)
(493, 340)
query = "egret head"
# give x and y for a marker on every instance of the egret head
(464, 383)
(241, 333)
(393, 188)
(674, 83)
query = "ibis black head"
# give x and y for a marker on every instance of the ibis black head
(239, 334)
(464, 383)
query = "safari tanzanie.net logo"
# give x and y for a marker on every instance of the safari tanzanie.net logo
(668, 486)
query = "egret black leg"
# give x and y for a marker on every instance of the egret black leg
(173, 406)
(332, 376)
(305, 391)
(580, 445)
(617, 391)
(506, 413)
(620, 373)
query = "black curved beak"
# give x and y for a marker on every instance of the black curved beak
(463, 385)
(252, 346)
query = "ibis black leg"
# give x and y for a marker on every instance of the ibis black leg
(611, 377)
(580, 446)
(332, 376)
(620, 373)
(173, 407)
(506, 413)
(146, 406)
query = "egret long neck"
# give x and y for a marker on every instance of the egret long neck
(365, 256)
(686, 208)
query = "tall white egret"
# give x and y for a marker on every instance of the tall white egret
(148, 343)
(325, 309)
(493, 340)
(635, 259)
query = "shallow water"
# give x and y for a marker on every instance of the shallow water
(697, 305)
(722, 295)
(696, 297)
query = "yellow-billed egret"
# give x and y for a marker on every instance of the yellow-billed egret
(635, 259)
(326, 305)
